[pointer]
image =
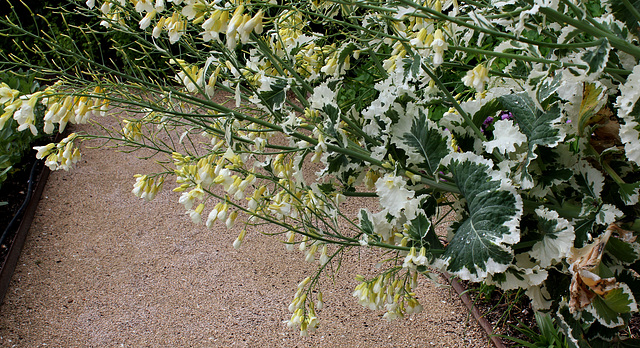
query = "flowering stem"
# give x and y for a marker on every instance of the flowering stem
(456, 105)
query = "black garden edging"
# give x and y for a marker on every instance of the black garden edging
(37, 181)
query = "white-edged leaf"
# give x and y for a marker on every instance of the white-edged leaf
(480, 245)
(571, 327)
(589, 180)
(557, 238)
(628, 112)
(523, 273)
(275, 94)
(506, 137)
(540, 127)
(608, 214)
(597, 58)
(421, 231)
(548, 87)
(629, 192)
(425, 143)
(607, 308)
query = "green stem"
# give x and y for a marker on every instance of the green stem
(488, 31)
(632, 9)
(455, 103)
(615, 41)
(515, 56)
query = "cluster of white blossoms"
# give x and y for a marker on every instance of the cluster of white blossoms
(390, 292)
(304, 310)
(147, 187)
(61, 109)
(61, 155)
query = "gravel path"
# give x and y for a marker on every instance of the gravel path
(102, 268)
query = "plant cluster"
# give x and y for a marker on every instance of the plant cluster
(518, 118)
(15, 143)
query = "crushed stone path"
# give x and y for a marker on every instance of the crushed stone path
(102, 268)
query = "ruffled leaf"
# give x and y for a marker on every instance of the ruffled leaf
(627, 104)
(538, 126)
(548, 88)
(506, 137)
(557, 240)
(571, 327)
(629, 192)
(425, 144)
(480, 245)
(583, 228)
(622, 13)
(621, 250)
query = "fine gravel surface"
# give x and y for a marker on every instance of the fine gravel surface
(102, 268)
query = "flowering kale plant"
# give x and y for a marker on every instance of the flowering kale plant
(517, 118)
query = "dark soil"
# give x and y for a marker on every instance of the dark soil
(508, 310)
(14, 191)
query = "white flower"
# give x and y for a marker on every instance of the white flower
(91, 4)
(439, 46)
(144, 6)
(44, 150)
(476, 78)
(25, 117)
(146, 20)
(7, 95)
(160, 5)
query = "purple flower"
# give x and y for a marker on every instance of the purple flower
(506, 115)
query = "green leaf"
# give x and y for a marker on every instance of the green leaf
(365, 224)
(628, 277)
(571, 328)
(491, 108)
(621, 250)
(342, 57)
(597, 57)
(412, 66)
(538, 126)
(275, 97)
(622, 13)
(425, 144)
(583, 228)
(480, 244)
(547, 89)
(557, 238)
(629, 192)
(608, 308)
(421, 231)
